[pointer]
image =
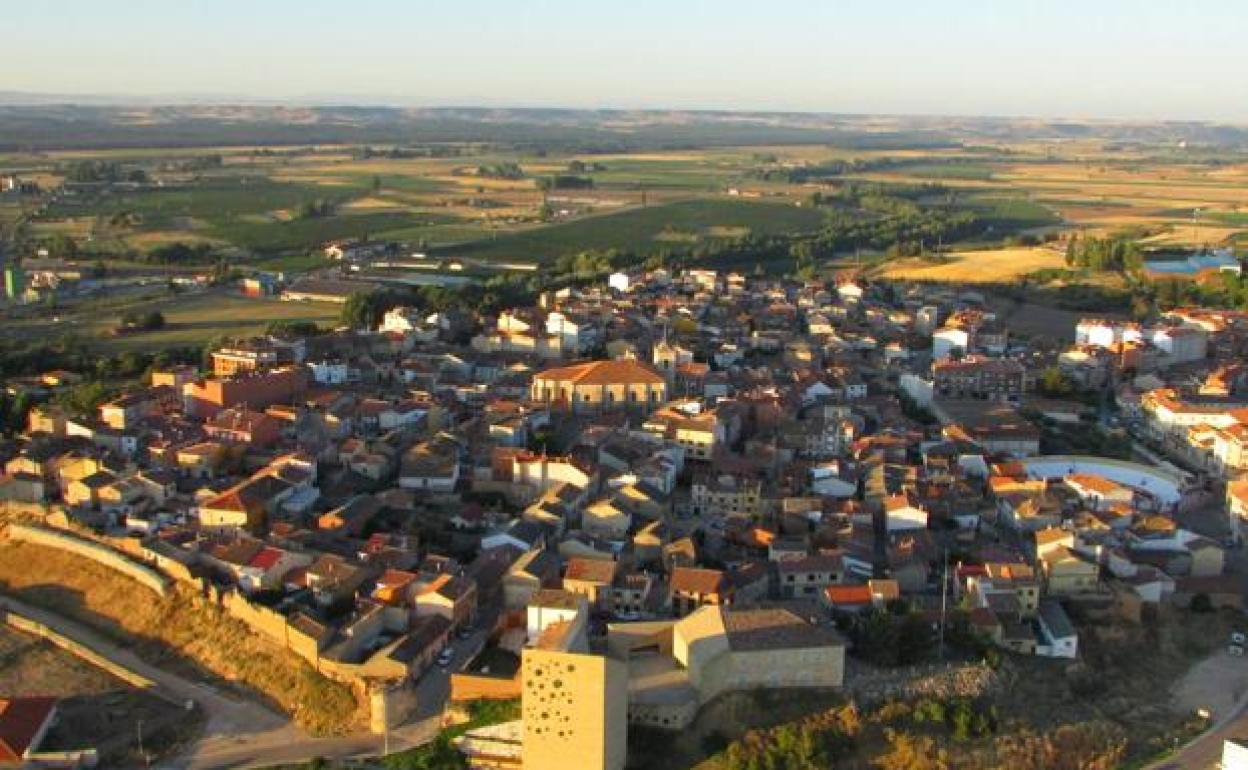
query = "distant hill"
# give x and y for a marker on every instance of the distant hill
(51, 121)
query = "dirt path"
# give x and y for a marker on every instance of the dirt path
(239, 733)
(1216, 683)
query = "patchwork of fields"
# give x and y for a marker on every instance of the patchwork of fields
(484, 202)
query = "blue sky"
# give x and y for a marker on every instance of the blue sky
(1145, 59)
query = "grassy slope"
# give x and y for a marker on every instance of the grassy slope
(181, 631)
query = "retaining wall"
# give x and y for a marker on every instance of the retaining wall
(22, 623)
(100, 554)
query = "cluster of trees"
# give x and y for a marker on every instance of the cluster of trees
(964, 718)
(932, 734)
(825, 170)
(814, 743)
(904, 233)
(365, 309)
(507, 170)
(1098, 745)
(20, 356)
(13, 411)
(587, 265)
(565, 182)
(60, 245)
(319, 208)
(892, 636)
(293, 329)
(404, 153)
(197, 163)
(1114, 254)
(1225, 290)
(135, 321)
(83, 398)
(1054, 383)
(87, 171)
(583, 167)
(178, 253)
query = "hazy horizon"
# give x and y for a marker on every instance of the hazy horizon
(1115, 60)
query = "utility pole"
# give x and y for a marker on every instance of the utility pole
(944, 593)
(139, 727)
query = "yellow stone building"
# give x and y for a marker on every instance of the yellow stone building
(574, 703)
(600, 385)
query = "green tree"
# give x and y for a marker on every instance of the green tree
(1054, 382)
(84, 398)
(911, 752)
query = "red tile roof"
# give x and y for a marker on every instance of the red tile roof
(267, 558)
(848, 595)
(623, 370)
(20, 721)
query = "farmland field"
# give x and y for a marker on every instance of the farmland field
(273, 208)
(190, 319)
(987, 266)
(645, 230)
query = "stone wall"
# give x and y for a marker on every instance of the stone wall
(100, 554)
(469, 687)
(870, 685)
(27, 625)
(273, 625)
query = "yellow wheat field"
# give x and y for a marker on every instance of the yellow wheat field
(989, 266)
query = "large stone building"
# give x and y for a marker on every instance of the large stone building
(979, 377)
(676, 667)
(601, 385)
(574, 703)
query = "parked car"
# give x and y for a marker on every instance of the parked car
(446, 656)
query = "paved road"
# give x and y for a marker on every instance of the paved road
(1205, 753)
(240, 733)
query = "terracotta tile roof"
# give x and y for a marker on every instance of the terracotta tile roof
(20, 720)
(623, 370)
(848, 595)
(1093, 483)
(590, 570)
(267, 558)
(696, 580)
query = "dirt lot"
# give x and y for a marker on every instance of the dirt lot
(96, 709)
(180, 632)
(1216, 683)
(31, 666)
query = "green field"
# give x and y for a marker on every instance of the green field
(300, 234)
(966, 171)
(672, 174)
(1007, 214)
(215, 201)
(191, 319)
(642, 230)
(1233, 218)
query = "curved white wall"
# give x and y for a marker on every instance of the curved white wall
(1163, 485)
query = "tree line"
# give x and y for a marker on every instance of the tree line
(1113, 254)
